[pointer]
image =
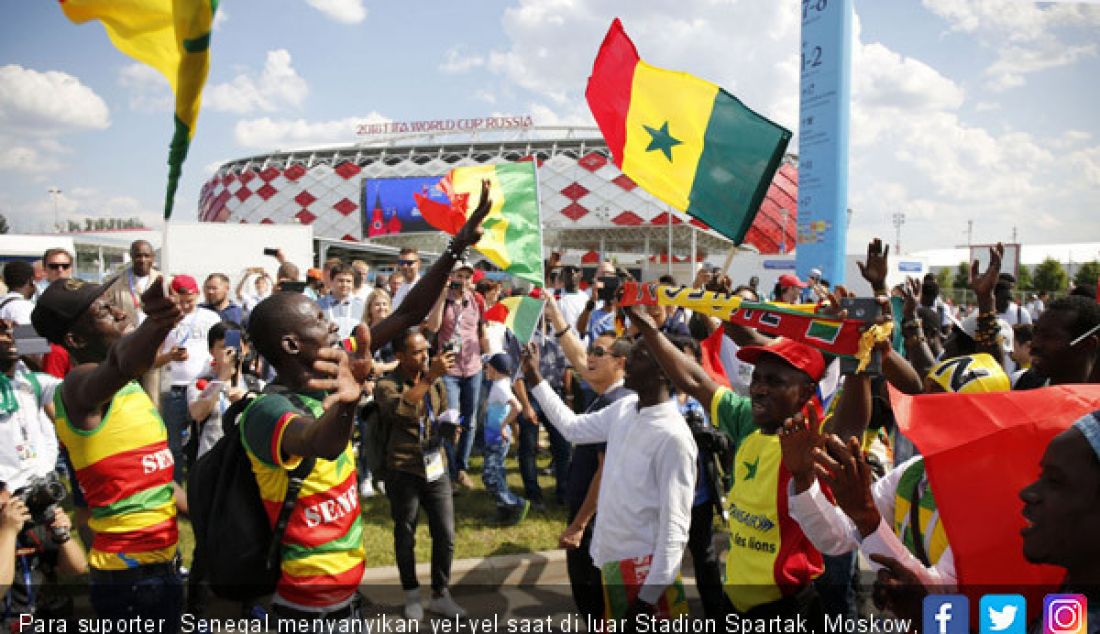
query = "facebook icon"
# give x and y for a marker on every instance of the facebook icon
(946, 614)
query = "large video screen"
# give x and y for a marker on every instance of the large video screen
(389, 207)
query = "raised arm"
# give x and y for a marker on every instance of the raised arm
(568, 337)
(435, 317)
(687, 375)
(982, 284)
(576, 428)
(327, 436)
(424, 293)
(89, 386)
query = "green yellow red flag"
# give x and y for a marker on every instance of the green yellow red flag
(683, 139)
(172, 36)
(519, 314)
(513, 232)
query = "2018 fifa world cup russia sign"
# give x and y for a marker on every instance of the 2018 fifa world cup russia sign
(518, 122)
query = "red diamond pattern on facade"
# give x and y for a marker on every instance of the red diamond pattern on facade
(229, 178)
(243, 193)
(624, 181)
(305, 199)
(267, 191)
(350, 238)
(305, 217)
(574, 191)
(592, 161)
(529, 158)
(699, 223)
(574, 212)
(269, 174)
(219, 204)
(247, 175)
(267, 221)
(591, 257)
(294, 172)
(627, 219)
(662, 219)
(347, 170)
(345, 206)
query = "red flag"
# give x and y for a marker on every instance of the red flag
(498, 313)
(440, 215)
(980, 450)
(711, 347)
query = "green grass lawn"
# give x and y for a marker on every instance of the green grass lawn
(475, 532)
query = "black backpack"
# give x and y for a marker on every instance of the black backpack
(236, 551)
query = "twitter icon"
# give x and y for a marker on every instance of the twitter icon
(1003, 614)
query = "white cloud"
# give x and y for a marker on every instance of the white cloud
(270, 134)
(27, 160)
(149, 90)
(220, 18)
(1024, 35)
(457, 61)
(75, 204)
(345, 11)
(278, 86)
(49, 102)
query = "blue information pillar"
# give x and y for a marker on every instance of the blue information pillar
(823, 137)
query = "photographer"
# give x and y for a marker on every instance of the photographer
(28, 444)
(32, 549)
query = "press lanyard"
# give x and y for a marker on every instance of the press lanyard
(133, 293)
(430, 416)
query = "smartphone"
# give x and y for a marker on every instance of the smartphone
(271, 251)
(233, 340)
(28, 341)
(865, 309)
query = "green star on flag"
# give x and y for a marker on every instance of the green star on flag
(661, 139)
(750, 468)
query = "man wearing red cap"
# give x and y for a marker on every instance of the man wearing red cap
(186, 356)
(771, 564)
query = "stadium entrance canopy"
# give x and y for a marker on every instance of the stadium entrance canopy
(364, 191)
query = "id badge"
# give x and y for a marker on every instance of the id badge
(433, 465)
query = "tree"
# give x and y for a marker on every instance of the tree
(1086, 275)
(1050, 276)
(1023, 278)
(962, 275)
(943, 279)
(4, 224)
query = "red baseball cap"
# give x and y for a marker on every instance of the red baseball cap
(799, 355)
(787, 280)
(185, 284)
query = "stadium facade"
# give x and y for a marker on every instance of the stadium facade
(363, 192)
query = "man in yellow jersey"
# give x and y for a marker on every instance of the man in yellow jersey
(118, 444)
(310, 414)
(771, 563)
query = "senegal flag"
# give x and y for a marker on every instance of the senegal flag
(519, 314)
(684, 140)
(172, 36)
(513, 233)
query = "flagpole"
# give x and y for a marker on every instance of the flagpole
(669, 212)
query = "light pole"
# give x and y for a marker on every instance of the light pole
(899, 220)
(55, 193)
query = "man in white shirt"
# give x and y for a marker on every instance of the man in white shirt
(187, 356)
(28, 444)
(1007, 309)
(573, 299)
(341, 306)
(648, 485)
(16, 306)
(408, 265)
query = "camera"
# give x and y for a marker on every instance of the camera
(717, 457)
(456, 285)
(453, 346)
(41, 497)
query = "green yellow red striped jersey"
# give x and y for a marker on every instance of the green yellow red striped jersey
(323, 556)
(124, 468)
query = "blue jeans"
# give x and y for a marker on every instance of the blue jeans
(528, 449)
(158, 597)
(177, 420)
(496, 478)
(462, 394)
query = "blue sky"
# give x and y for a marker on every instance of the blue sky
(962, 109)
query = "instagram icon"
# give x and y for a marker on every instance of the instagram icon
(1065, 614)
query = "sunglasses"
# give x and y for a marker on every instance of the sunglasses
(600, 351)
(407, 262)
(60, 266)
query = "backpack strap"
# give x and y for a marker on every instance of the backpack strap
(295, 480)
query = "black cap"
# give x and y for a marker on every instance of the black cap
(63, 302)
(501, 363)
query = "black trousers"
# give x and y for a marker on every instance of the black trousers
(584, 577)
(708, 574)
(407, 493)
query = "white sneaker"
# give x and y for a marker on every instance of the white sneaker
(414, 611)
(366, 489)
(380, 486)
(444, 605)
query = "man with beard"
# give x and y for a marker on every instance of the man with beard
(118, 444)
(1064, 344)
